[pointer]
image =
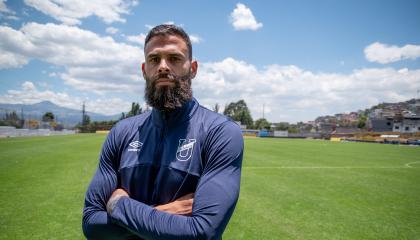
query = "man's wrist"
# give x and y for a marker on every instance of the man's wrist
(112, 203)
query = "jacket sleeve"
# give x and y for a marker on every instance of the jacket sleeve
(96, 222)
(214, 200)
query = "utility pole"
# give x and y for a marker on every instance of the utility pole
(83, 114)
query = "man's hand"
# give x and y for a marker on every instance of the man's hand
(181, 206)
(116, 195)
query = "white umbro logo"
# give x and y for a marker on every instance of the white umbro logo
(135, 146)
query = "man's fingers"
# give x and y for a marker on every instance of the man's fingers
(181, 206)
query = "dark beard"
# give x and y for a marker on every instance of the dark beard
(167, 98)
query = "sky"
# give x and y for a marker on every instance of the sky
(289, 60)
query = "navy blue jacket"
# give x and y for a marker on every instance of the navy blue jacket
(158, 157)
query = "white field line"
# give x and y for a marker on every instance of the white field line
(411, 163)
(322, 167)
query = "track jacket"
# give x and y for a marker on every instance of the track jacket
(158, 157)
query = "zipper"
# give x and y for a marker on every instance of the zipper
(157, 158)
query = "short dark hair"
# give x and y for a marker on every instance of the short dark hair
(168, 30)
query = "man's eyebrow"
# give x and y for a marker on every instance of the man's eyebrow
(176, 54)
(152, 55)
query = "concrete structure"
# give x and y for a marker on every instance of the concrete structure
(281, 133)
(326, 127)
(409, 124)
(382, 125)
(6, 131)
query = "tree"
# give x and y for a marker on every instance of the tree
(362, 121)
(261, 124)
(282, 126)
(122, 116)
(48, 117)
(135, 110)
(11, 119)
(86, 120)
(216, 108)
(239, 112)
(293, 128)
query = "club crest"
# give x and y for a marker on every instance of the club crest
(185, 149)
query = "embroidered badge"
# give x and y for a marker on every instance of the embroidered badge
(185, 149)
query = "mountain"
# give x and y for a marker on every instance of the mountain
(67, 116)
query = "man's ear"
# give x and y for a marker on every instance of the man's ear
(142, 70)
(194, 68)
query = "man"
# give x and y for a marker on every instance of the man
(170, 173)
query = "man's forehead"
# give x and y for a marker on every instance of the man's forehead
(161, 43)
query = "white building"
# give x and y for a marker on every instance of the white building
(409, 124)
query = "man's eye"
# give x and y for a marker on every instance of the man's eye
(175, 59)
(153, 60)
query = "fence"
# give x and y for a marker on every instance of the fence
(6, 131)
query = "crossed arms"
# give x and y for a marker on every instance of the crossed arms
(214, 200)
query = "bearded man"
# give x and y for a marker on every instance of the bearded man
(170, 173)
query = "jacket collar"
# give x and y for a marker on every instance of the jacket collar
(175, 117)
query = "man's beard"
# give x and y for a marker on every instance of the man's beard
(167, 98)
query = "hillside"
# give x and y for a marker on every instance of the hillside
(67, 116)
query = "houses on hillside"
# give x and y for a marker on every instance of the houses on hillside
(401, 117)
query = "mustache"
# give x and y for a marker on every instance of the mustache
(164, 75)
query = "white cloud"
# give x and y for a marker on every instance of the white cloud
(91, 62)
(28, 86)
(383, 53)
(195, 38)
(294, 94)
(149, 26)
(29, 94)
(138, 39)
(169, 22)
(6, 12)
(71, 12)
(12, 17)
(4, 8)
(243, 19)
(111, 30)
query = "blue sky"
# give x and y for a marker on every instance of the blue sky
(301, 59)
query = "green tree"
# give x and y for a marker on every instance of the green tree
(122, 116)
(48, 117)
(86, 120)
(135, 110)
(11, 116)
(11, 119)
(261, 124)
(216, 108)
(362, 121)
(239, 112)
(282, 126)
(293, 128)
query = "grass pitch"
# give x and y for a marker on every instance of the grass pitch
(291, 189)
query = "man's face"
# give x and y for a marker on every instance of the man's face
(168, 72)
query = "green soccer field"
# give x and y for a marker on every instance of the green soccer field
(291, 189)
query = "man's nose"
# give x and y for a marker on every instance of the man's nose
(163, 66)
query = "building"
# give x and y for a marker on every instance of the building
(409, 124)
(382, 125)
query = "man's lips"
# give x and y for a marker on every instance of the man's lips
(165, 81)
